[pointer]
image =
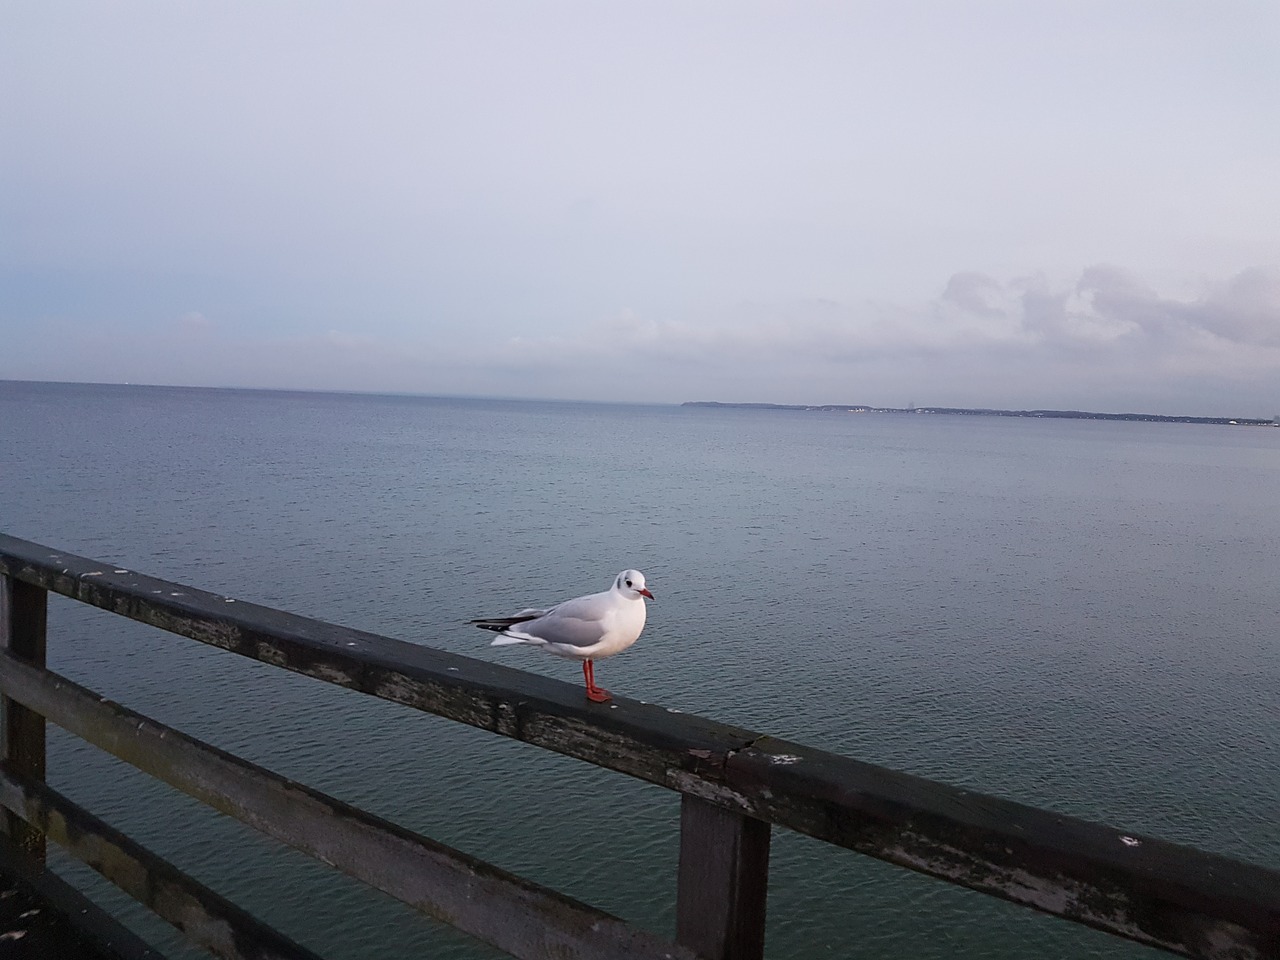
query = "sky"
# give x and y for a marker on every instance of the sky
(988, 203)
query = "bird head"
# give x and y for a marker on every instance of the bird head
(630, 584)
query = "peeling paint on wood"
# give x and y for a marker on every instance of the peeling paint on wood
(1153, 892)
(694, 786)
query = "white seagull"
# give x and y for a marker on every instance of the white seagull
(585, 628)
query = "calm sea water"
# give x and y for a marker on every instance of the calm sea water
(1073, 614)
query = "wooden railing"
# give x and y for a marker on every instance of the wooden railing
(734, 784)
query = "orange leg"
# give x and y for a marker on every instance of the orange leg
(594, 693)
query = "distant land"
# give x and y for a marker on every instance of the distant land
(983, 412)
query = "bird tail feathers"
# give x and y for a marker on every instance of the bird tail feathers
(500, 626)
(505, 640)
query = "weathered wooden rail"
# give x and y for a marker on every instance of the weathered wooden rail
(734, 785)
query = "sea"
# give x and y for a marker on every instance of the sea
(1075, 614)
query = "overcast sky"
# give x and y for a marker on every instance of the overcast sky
(1012, 204)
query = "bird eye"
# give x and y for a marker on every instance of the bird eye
(628, 583)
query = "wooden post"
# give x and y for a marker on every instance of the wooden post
(23, 615)
(723, 881)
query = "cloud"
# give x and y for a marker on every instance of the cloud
(1105, 310)
(1104, 326)
(1102, 340)
(1244, 309)
(1104, 337)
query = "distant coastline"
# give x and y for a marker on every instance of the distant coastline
(984, 412)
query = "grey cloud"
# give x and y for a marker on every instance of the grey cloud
(1106, 334)
(1105, 310)
(1244, 309)
(1106, 339)
(1109, 306)
(975, 293)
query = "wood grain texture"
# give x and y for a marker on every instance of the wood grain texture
(515, 915)
(723, 881)
(209, 920)
(55, 921)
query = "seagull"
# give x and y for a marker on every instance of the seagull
(586, 628)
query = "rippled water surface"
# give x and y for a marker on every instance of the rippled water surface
(1075, 614)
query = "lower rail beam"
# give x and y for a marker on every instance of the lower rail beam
(209, 920)
(513, 914)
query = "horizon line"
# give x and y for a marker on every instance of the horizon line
(759, 404)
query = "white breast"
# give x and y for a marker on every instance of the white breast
(628, 622)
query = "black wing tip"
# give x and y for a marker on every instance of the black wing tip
(498, 624)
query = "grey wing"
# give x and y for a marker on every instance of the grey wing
(560, 627)
(595, 606)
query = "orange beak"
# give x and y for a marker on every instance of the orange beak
(645, 593)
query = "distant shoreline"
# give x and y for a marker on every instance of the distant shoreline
(984, 412)
(800, 407)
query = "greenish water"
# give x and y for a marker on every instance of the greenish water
(1074, 614)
